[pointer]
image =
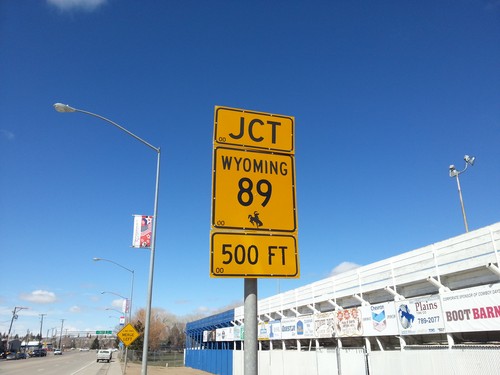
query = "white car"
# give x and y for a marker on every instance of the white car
(104, 355)
(57, 352)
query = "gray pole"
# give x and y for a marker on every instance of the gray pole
(144, 368)
(129, 321)
(41, 326)
(60, 334)
(462, 204)
(251, 360)
(14, 317)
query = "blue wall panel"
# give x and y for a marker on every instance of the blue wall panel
(218, 362)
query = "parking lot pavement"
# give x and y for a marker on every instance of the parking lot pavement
(135, 369)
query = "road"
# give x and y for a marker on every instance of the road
(69, 363)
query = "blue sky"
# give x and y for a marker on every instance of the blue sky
(385, 95)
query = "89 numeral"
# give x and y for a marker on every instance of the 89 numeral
(245, 194)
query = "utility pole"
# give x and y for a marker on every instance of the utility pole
(41, 327)
(60, 334)
(14, 316)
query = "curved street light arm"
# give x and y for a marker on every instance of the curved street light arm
(111, 261)
(116, 294)
(64, 108)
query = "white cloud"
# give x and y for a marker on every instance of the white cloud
(39, 296)
(75, 309)
(69, 5)
(344, 267)
(7, 134)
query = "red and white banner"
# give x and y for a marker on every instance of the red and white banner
(472, 309)
(142, 231)
(125, 306)
(348, 323)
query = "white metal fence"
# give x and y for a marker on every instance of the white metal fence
(354, 361)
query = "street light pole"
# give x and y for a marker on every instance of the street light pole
(130, 305)
(469, 160)
(131, 287)
(66, 108)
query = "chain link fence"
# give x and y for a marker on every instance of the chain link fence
(170, 358)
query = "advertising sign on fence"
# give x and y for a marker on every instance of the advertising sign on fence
(275, 330)
(379, 319)
(420, 315)
(224, 334)
(348, 323)
(324, 325)
(305, 327)
(263, 331)
(288, 328)
(472, 309)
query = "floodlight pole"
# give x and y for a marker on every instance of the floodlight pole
(455, 173)
(462, 204)
(59, 107)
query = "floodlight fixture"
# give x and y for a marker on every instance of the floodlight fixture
(469, 160)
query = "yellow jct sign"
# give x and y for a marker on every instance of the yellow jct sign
(254, 216)
(128, 334)
(253, 191)
(243, 128)
(252, 255)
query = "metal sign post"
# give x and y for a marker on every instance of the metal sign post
(254, 215)
(251, 362)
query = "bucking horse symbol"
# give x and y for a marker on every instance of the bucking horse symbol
(255, 219)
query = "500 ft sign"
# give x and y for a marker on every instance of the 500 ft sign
(253, 255)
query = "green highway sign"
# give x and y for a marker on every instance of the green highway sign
(103, 332)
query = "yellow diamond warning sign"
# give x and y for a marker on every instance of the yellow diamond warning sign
(128, 334)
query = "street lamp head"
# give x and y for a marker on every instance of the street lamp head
(96, 259)
(63, 108)
(469, 159)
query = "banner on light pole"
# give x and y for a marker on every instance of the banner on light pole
(125, 306)
(142, 231)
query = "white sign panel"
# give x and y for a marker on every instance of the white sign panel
(348, 323)
(239, 333)
(263, 331)
(224, 334)
(379, 320)
(305, 327)
(324, 324)
(472, 309)
(275, 330)
(420, 315)
(288, 328)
